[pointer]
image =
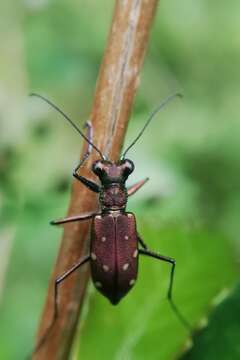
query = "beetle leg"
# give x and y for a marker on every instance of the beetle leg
(72, 219)
(142, 242)
(58, 281)
(135, 187)
(62, 278)
(87, 125)
(90, 184)
(170, 288)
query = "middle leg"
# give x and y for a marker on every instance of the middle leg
(73, 218)
(135, 187)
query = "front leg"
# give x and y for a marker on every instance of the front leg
(87, 125)
(88, 183)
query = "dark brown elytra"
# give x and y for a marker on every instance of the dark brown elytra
(115, 243)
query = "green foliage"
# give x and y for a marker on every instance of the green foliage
(143, 325)
(220, 340)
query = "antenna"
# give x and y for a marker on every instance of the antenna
(158, 108)
(70, 121)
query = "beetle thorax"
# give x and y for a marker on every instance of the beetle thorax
(113, 197)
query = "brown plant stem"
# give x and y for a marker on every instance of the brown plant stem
(116, 86)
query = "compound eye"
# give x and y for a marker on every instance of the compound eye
(97, 167)
(128, 166)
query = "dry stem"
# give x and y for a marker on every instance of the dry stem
(116, 86)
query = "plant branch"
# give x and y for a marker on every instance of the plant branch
(115, 90)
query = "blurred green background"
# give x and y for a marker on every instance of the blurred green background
(188, 210)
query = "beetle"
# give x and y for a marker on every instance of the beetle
(115, 244)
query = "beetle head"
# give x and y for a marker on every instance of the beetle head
(110, 172)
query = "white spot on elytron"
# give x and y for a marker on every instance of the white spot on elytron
(125, 266)
(98, 217)
(93, 256)
(103, 238)
(131, 282)
(126, 237)
(105, 268)
(135, 253)
(98, 284)
(129, 215)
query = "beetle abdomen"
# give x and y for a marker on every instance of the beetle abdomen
(114, 254)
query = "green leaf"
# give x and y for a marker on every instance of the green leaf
(143, 324)
(220, 340)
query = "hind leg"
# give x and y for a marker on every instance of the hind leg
(58, 281)
(172, 262)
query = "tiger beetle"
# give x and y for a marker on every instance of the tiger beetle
(115, 243)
